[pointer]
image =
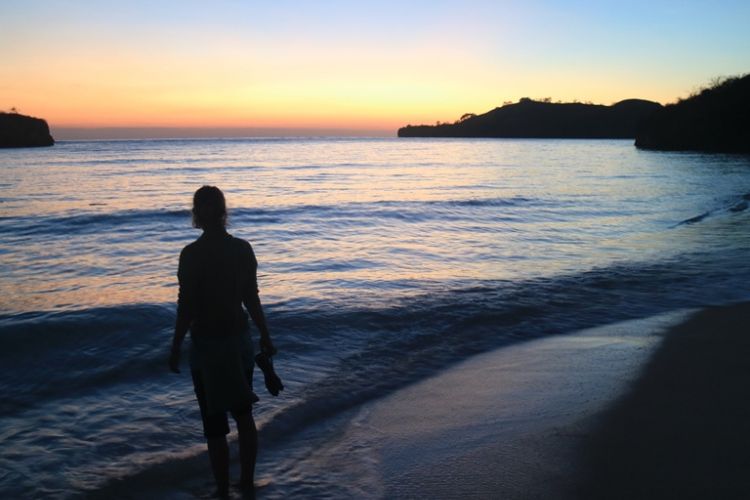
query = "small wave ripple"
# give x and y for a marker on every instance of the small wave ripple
(93, 222)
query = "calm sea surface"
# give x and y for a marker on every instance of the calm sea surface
(382, 261)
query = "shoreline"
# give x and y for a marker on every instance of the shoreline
(564, 417)
(683, 430)
(509, 423)
(648, 408)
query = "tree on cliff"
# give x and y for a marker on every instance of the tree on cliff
(716, 118)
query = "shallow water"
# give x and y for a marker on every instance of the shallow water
(381, 261)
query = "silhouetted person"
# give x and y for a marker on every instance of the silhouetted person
(217, 274)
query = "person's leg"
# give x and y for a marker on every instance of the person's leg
(215, 429)
(218, 452)
(248, 439)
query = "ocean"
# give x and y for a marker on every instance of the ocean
(381, 262)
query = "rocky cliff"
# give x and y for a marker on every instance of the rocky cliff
(19, 131)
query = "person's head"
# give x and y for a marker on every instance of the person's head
(209, 208)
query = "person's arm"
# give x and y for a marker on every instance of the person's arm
(254, 307)
(184, 314)
(251, 299)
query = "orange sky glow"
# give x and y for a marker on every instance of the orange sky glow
(78, 64)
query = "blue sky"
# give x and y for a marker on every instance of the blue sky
(352, 64)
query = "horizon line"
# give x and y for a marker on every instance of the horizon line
(74, 133)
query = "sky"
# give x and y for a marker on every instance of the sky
(360, 67)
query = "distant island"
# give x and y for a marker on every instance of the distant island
(545, 119)
(20, 131)
(716, 119)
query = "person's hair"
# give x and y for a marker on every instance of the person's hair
(209, 208)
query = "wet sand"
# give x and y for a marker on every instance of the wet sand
(683, 431)
(647, 409)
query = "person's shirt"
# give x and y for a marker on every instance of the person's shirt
(216, 273)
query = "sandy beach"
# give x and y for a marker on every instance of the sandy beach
(650, 408)
(683, 430)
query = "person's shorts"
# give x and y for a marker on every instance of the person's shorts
(217, 425)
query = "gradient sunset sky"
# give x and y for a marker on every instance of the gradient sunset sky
(350, 65)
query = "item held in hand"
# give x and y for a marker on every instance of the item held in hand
(273, 382)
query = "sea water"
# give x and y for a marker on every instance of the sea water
(381, 262)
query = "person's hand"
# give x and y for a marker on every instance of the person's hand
(174, 361)
(266, 345)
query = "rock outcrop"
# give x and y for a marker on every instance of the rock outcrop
(20, 131)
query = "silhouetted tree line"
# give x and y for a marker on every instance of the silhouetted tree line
(715, 118)
(544, 119)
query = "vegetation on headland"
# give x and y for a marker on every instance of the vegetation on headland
(716, 118)
(545, 119)
(20, 131)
